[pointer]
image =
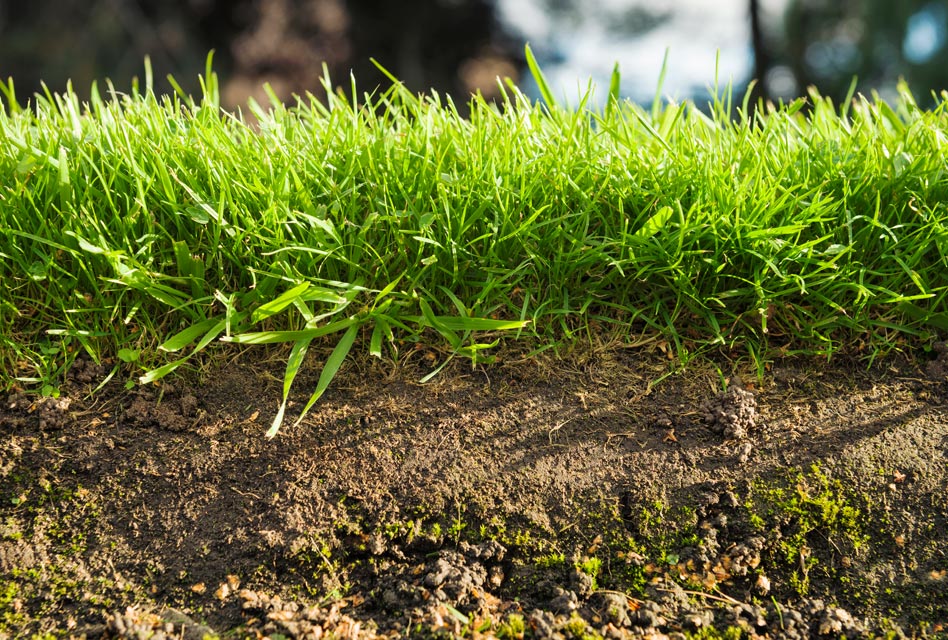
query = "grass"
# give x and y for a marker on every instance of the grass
(148, 228)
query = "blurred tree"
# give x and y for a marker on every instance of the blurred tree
(454, 46)
(53, 41)
(830, 41)
(761, 51)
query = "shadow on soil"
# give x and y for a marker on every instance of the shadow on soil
(575, 498)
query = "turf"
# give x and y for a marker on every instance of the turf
(144, 229)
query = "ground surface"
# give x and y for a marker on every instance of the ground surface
(592, 495)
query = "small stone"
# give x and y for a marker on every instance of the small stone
(698, 620)
(834, 621)
(564, 601)
(490, 551)
(376, 545)
(763, 584)
(581, 582)
(542, 623)
(746, 449)
(440, 573)
(496, 578)
(613, 607)
(645, 618)
(729, 499)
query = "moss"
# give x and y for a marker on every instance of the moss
(709, 633)
(807, 510)
(35, 592)
(551, 561)
(513, 628)
(592, 567)
(577, 628)
(457, 526)
(10, 617)
(627, 573)
(663, 529)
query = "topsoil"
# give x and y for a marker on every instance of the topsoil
(608, 493)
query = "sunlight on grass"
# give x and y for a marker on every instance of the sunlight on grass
(162, 225)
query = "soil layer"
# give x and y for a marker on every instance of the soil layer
(602, 494)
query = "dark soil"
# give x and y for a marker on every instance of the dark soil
(603, 494)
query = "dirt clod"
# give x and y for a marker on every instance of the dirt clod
(52, 413)
(612, 607)
(732, 413)
(84, 371)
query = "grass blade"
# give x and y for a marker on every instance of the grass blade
(615, 84)
(540, 79)
(330, 369)
(456, 323)
(279, 303)
(274, 337)
(382, 330)
(655, 224)
(657, 100)
(293, 363)
(160, 372)
(185, 337)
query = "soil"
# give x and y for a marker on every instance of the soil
(608, 493)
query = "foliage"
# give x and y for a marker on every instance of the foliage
(145, 227)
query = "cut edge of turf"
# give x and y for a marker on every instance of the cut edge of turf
(621, 237)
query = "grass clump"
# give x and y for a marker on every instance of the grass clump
(146, 228)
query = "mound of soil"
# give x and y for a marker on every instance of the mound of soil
(600, 495)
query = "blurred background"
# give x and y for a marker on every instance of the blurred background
(461, 46)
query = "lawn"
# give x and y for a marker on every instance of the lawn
(150, 227)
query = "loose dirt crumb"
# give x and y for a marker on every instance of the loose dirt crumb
(732, 413)
(52, 413)
(84, 371)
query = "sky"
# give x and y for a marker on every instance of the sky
(704, 40)
(572, 49)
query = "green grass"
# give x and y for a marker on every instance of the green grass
(150, 227)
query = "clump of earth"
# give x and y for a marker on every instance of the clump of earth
(732, 413)
(595, 496)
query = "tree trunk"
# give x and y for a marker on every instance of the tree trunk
(761, 59)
